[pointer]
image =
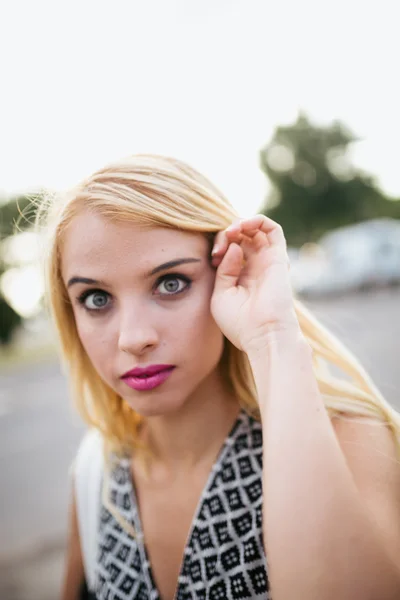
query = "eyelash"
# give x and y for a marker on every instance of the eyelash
(164, 278)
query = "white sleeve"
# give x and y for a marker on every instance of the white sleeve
(88, 471)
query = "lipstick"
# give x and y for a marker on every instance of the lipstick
(147, 378)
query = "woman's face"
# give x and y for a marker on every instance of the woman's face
(141, 298)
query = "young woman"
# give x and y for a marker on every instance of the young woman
(235, 464)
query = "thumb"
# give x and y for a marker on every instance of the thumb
(229, 269)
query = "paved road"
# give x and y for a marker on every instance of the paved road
(369, 324)
(39, 433)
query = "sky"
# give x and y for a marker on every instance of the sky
(84, 83)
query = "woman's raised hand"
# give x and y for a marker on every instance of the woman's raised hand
(252, 300)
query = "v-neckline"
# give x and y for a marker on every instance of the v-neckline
(226, 447)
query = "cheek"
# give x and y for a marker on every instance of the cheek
(95, 340)
(201, 331)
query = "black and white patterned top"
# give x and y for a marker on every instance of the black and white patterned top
(224, 557)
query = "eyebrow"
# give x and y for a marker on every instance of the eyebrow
(84, 280)
(168, 265)
(173, 263)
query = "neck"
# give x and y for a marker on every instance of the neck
(193, 435)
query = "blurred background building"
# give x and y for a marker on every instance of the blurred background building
(290, 108)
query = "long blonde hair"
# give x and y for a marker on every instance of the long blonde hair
(162, 191)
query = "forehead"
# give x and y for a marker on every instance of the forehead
(93, 241)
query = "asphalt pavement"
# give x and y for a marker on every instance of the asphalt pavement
(39, 433)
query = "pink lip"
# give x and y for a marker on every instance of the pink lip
(147, 378)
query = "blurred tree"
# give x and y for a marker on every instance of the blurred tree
(315, 187)
(9, 321)
(15, 214)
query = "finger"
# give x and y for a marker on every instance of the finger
(253, 239)
(249, 228)
(258, 222)
(229, 270)
(223, 239)
(257, 238)
(262, 223)
(216, 259)
(220, 244)
(232, 237)
(260, 232)
(247, 243)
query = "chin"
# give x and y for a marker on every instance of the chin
(151, 406)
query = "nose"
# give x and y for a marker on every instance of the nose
(137, 332)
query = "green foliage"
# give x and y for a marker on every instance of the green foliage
(9, 321)
(315, 187)
(17, 214)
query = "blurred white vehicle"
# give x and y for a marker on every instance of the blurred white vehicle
(307, 266)
(351, 258)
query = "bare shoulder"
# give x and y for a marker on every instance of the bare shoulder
(73, 569)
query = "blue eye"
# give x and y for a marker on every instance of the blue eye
(167, 285)
(93, 300)
(170, 285)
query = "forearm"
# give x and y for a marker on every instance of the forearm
(319, 540)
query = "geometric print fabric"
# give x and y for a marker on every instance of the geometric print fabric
(224, 556)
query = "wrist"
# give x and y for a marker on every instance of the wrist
(284, 338)
(284, 362)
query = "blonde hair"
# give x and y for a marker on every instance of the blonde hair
(162, 191)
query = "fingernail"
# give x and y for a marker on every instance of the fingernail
(215, 250)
